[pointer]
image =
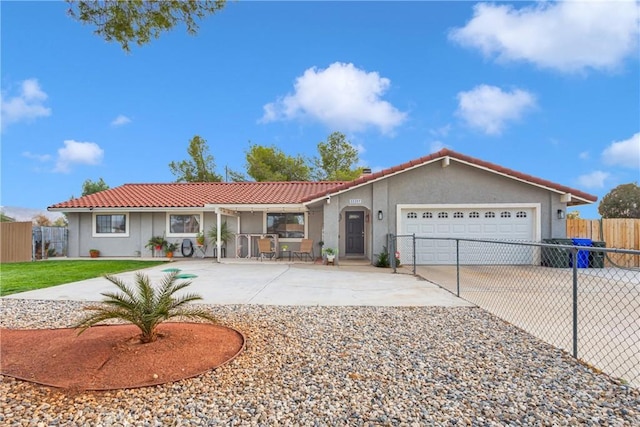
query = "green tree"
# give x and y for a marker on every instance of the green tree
(233, 176)
(337, 160)
(271, 164)
(41, 220)
(575, 214)
(61, 221)
(139, 21)
(5, 218)
(90, 187)
(201, 167)
(146, 306)
(621, 202)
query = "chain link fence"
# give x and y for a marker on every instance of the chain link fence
(582, 299)
(49, 242)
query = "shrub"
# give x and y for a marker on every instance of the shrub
(145, 306)
(384, 259)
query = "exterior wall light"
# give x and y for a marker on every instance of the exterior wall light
(560, 214)
(380, 215)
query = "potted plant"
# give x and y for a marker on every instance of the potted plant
(156, 242)
(94, 253)
(330, 254)
(225, 234)
(170, 248)
(200, 239)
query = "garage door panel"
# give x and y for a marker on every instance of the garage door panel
(475, 223)
(444, 228)
(427, 229)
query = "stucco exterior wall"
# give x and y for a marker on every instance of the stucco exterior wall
(460, 184)
(432, 184)
(428, 184)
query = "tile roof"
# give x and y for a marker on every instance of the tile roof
(461, 157)
(197, 194)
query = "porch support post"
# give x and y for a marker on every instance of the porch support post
(218, 242)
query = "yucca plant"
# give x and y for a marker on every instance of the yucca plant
(145, 306)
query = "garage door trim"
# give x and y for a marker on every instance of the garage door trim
(536, 232)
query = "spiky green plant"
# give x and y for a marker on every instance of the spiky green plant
(144, 305)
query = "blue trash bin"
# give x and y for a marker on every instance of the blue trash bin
(582, 258)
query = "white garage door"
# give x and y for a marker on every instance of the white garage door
(495, 223)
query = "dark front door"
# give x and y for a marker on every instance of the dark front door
(355, 233)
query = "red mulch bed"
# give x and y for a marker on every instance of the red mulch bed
(112, 357)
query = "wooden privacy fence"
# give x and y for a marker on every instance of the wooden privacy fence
(617, 233)
(15, 241)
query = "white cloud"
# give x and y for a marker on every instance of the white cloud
(489, 108)
(38, 157)
(26, 106)
(360, 148)
(623, 153)
(442, 131)
(594, 179)
(569, 36)
(436, 146)
(74, 152)
(341, 97)
(584, 155)
(120, 120)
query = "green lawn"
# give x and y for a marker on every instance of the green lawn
(26, 276)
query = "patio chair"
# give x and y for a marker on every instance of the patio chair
(306, 249)
(265, 249)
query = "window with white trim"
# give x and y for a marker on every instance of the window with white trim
(474, 214)
(183, 224)
(505, 214)
(427, 215)
(489, 214)
(110, 224)
(458, 215)
(412, 215)
(443, 215)
(521, 214)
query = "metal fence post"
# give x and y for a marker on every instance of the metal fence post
(414, 253)
(458, 267)
(574, 258)
(393, 241)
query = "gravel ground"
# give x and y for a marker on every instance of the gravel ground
(343, 366)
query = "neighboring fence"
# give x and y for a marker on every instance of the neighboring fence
(15, 241)
(616, 233)
(564, 295)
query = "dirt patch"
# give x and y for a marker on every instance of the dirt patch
(112, 357)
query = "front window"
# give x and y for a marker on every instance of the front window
(286, 225)
(184, 223)
(110, 225)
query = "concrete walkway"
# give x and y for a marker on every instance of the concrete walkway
(274, 283)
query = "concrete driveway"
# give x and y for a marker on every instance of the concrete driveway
(274, 283)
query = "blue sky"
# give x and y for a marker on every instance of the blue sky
(549, 89)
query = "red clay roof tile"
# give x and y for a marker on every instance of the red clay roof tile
(197, 194)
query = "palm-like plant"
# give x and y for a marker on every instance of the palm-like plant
(225, 233)
(145, 306)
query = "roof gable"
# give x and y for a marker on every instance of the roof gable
(577, 196)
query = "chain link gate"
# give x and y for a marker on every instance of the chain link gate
(49, 242)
